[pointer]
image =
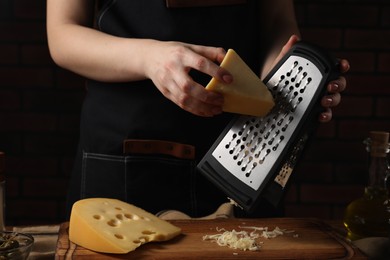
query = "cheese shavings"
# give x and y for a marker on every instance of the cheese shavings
(235, 239)
(269, 234)
(242, 239)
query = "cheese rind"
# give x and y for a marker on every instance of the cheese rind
(113, 226)
(247, 94)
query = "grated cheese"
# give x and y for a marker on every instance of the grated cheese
(243, 240)
(235, 239)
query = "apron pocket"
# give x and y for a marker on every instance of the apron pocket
(153, 183)
(103, 176)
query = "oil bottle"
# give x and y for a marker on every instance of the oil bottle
(369, 216)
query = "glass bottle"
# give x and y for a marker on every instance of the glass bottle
(369, 216)
(2, 190)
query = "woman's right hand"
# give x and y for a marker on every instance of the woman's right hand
(168, 65)
(76, 46)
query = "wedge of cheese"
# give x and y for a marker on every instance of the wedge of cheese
(113, 226)
(247, 94)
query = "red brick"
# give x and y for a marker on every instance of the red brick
(326, 38)
(26, 77)
(341, 14)
(314, 172)
(327, 130)
(9, 54)
(354, 172)
(50, 144)
(329, 194)
(23, 32)
(27, 208)
(360, 128)
(383, 107)
(66, 165)
(291, 195)
(385, 16)
(36, 166)
(11, 186)
(375, 39)
(11, 143)
(54, 100)
(384, 62)
(27, 122)
(308, 211)
(355, 106)
(27, 9)
(9, 100)
(36, 55)
(359, 61)
(69, 80)
(331, 151)
(368, 84)
(32, 188)
(69, 123)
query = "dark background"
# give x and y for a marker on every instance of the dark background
(40, 104)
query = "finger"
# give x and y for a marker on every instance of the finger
(202, 59)
(331, 100)
(194, 98)
(216, 54)
(344, 66)
(338, 85)
(325, 116)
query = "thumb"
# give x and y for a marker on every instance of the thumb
(293, 40)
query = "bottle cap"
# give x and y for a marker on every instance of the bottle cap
(379, 143)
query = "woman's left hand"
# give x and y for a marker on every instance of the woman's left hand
(334, 88)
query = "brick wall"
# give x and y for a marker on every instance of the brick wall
(40, 103)
(333, 170)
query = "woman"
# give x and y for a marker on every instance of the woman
(146, 64)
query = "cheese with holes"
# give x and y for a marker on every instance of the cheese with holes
(247, 94)
(113, 226)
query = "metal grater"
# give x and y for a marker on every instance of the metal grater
(254, 157)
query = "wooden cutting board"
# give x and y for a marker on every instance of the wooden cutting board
(312, 239)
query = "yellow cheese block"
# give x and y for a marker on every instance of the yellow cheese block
(247, 94)
(113, 226)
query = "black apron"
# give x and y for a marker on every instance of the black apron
(112, 113)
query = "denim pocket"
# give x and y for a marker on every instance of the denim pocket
(150, 182)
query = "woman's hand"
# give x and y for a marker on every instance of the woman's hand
(335, 87)
(168, 65)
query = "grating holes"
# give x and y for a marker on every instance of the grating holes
(119, 216)
(97, 217)
(118, 208)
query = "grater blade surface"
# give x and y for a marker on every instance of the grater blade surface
(255, 156)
